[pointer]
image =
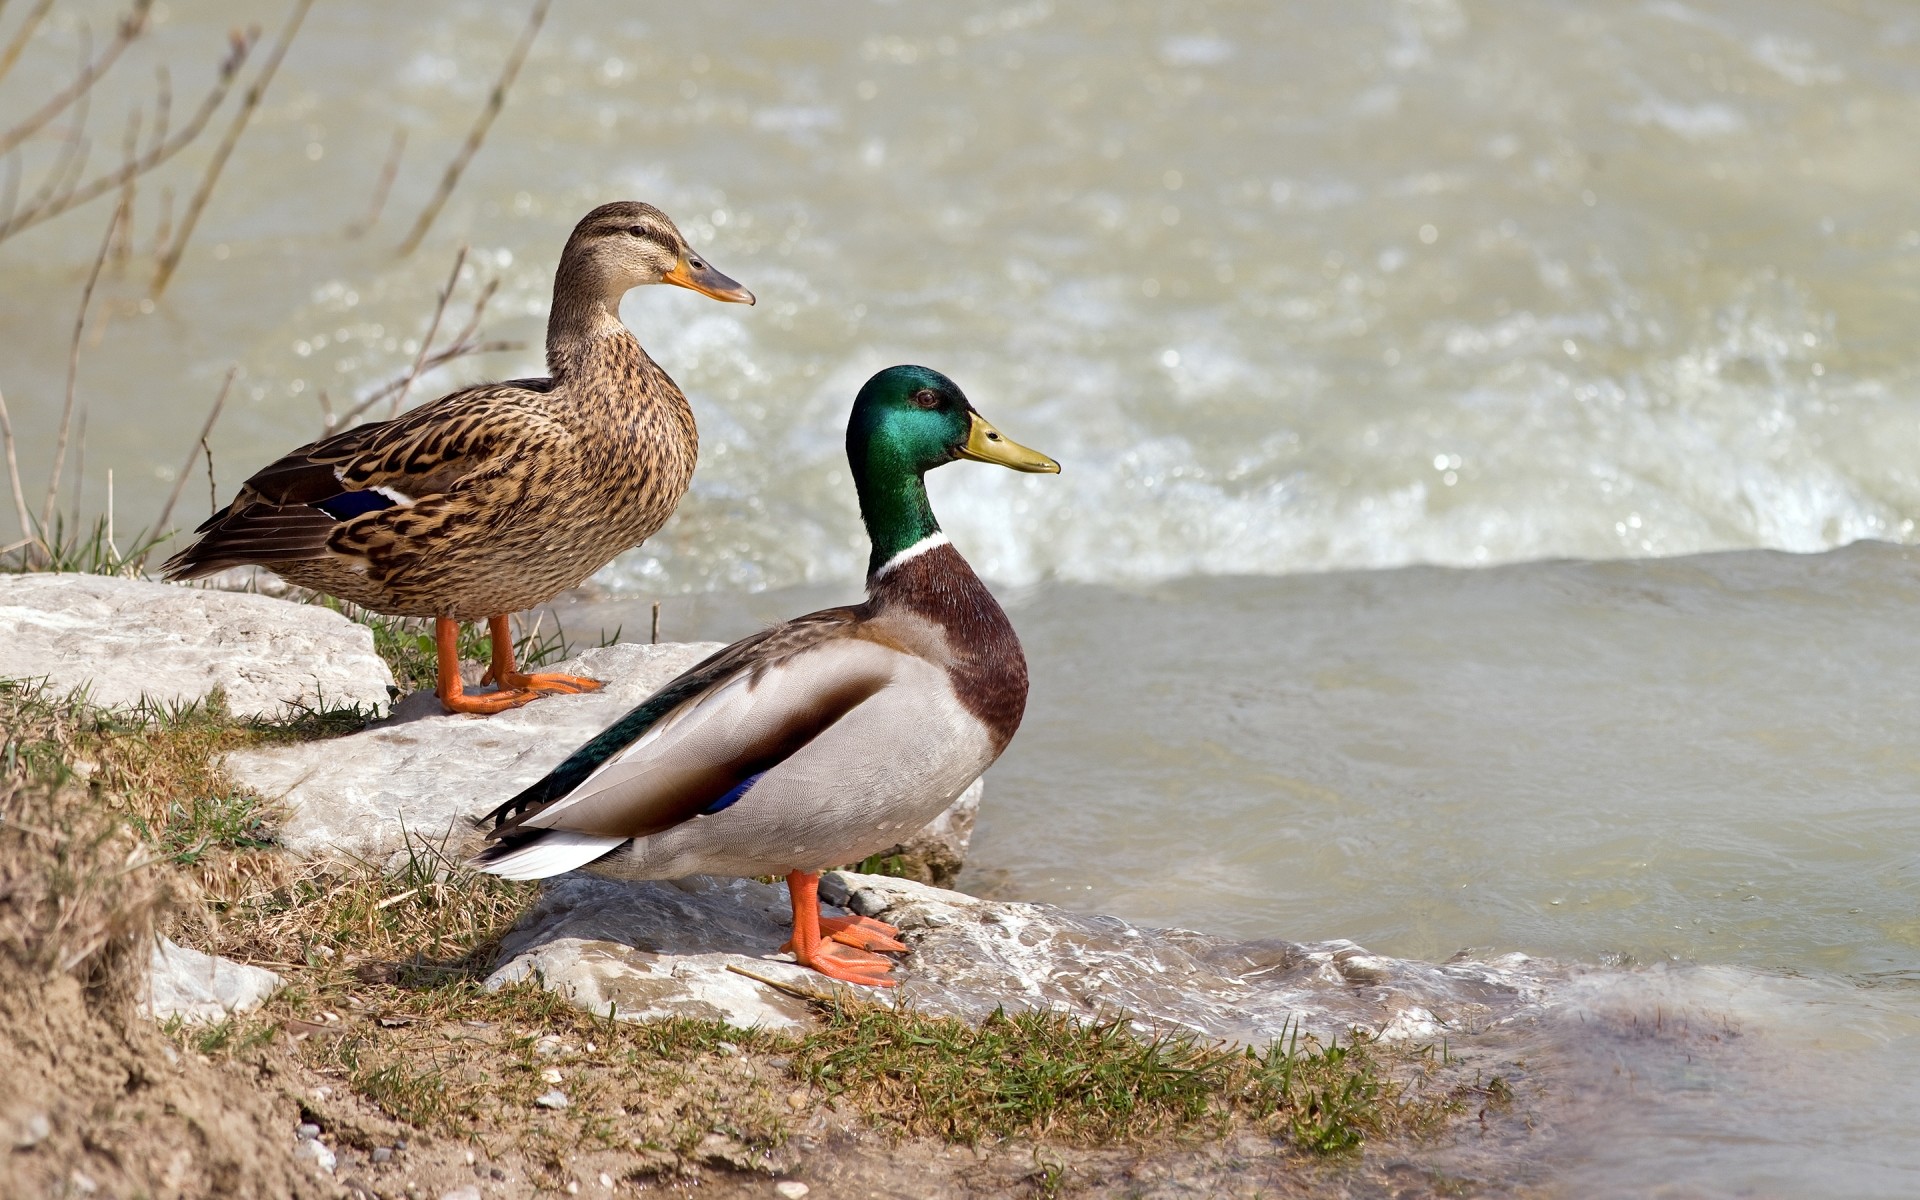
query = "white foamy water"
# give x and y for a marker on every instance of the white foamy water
(1286, 288)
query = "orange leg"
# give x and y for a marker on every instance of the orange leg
(452, 692)
(503, 672)
(832, 957)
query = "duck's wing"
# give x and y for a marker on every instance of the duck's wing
(695, 745)
(362, 492)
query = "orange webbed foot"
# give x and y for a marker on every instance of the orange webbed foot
(837, 961)
(837, 947)
(549, 683)
(487, 703)
(863, 933)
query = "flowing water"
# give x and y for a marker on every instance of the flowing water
(1300, 295)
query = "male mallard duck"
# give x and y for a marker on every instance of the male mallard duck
(819, 741)
(497, 497)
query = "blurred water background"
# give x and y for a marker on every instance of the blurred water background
(1314, 301)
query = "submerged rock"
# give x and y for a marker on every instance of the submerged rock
(122, 639)
(653, 950)
(203, 988)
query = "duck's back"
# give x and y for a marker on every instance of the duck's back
(489, 500)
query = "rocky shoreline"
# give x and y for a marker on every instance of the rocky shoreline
(406, 784)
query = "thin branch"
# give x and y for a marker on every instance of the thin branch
(13, 475)
(186, 468)
(130, 28)
(21, 36)
(433, 328)
(248, 103)
(496, 100)
(382, 187)
(163, 87)
(47, 204)
(437, 359)
(73, 149)
(73, 369)
(80, 464)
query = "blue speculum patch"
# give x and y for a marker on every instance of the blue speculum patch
(732, 794)
(348, 505)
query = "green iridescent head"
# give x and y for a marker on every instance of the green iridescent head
(906, 421)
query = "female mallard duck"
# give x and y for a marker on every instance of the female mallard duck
(819, 741)
(498, 497)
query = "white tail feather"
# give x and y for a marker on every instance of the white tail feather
(554, 854)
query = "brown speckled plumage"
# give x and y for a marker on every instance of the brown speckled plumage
(502, 495)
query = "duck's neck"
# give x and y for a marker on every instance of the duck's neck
(899, 520)
(585, 316)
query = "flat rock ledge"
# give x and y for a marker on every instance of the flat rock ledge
(655, 950)
(419, 776)
(203, 989)
(123, 640)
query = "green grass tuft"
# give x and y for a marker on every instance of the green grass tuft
(85, 549)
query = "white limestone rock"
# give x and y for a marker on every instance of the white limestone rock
(122, 639)
(203, 988)
(654, 950)
(422, 772)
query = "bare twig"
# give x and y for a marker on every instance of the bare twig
(13, 475)
(496, 100)
(129, 30)
(382, 187)
(50, 201)
(73, 149)
(79, 464)
(193, 452)
(129, 152)
(21, 36)
(437, 359)
(73, 369)
(433, 328)
(248, 103)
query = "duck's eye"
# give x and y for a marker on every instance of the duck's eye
(926, 398)
(636, 231)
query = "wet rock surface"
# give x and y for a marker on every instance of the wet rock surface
(122, 639)
(203, 988)
(657, 950)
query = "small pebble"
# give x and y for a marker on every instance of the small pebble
(833, 889)
(306, 1131)
(399, 1143)
(790, 1189)
(726, 1047)
(867, 903)
(796, 1100)
(573, 1187)
(34, 1130)
(383, 1154)
(553, 1099)
(468, 1192)
(606, 1180)
(547, 1046)
(550, 1075)
(317, 1153)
